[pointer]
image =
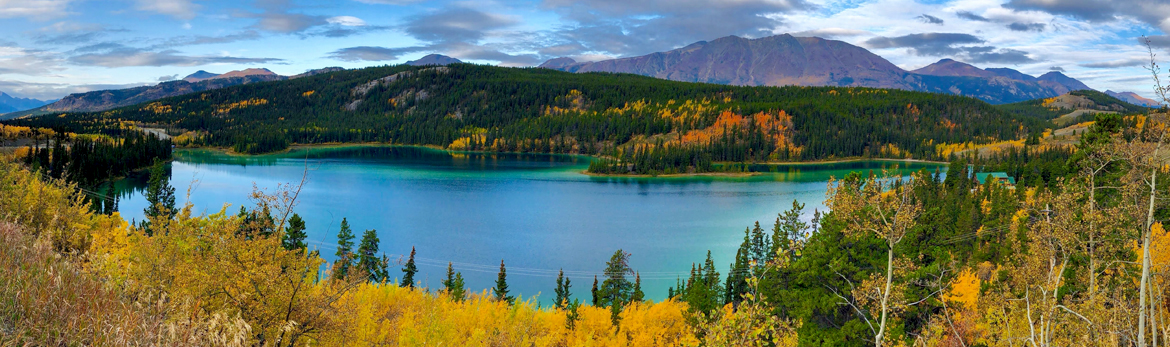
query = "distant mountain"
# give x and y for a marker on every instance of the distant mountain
(810, 61)
(1073, 107)
(315, 72)
(199, 76)
(434, 59)
(1133, 98)
(1060, 83)
(10, 103)
(107, 99)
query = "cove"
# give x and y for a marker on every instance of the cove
(538, 213)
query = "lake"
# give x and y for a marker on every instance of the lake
(537, 213)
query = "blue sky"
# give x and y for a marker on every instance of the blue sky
(50, 48)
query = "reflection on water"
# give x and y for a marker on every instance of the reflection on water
(537, 212)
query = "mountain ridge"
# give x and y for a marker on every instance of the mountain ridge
(811, 61)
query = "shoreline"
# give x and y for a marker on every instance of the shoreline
(292, 148)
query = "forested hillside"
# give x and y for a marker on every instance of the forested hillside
(1054, 107)
(671, 126)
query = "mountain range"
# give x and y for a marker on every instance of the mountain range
(10, 103)
(1133, 98)
(811, 61)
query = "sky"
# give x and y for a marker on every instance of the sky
(51, 48)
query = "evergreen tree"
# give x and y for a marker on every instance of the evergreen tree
(501, 288)
(562, 290)
(159, 193)
(453, 285)
(638, 295)
(368, 260)
(736, 285)
(616, 288)
(596, 297)
(408, 271)
(294, 233)
(345, 256)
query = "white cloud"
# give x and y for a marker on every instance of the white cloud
(182, 9)
(35, 9)
(348, 21)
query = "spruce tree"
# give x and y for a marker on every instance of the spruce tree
(501, 289)
(616, 287)
(408, 271)
(159, 195)
(453, 285)
(562, 290)
(368, 260)
(638, 295)
(596, 297)
(294, 234)
(344, 253)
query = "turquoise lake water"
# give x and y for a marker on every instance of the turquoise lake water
(537, 213)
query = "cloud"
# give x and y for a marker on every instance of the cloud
(952, 44)
(1154, 13)
(981, 55)
(369, 53)
(348, 21)
(35, 9)
(1056, 68)
(1156, 41)
(389, 2)
(181, 9)
(928, 19)
(457, 24)
(182, 41)
(927, 44)
(971, 16)
(168, 78)
(623, 27)
(116, 55)
(1038, 27)
(831, 32)
(1117, 63)
(286, 23)
(49, 91)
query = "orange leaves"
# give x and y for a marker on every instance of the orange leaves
(308, 93)
(777, 126)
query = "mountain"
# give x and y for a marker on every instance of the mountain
(1060, 83)
(950, 67)
(315, 72)
(10, 103)
(199, 76)
(1133, 98)
(1073, 107)
(108, 99)
(674, 126)
(810, 61)
(434, 59)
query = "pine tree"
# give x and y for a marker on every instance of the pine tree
(501, 289)
(638, 295)
(344, 253)
(596, 297)
(294, 234)
(159, 195)
(368, 260)
(562, 290)
(408, 271)
(453, 285)
(616, 287)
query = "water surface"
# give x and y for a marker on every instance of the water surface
(537, 213)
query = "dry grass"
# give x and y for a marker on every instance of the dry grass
(45, 300)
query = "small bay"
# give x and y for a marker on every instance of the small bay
(538, 213)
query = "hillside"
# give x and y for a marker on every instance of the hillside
(108, 99)
(810, 61)
(1068, 108)
(472, 107)
(1133, 98)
